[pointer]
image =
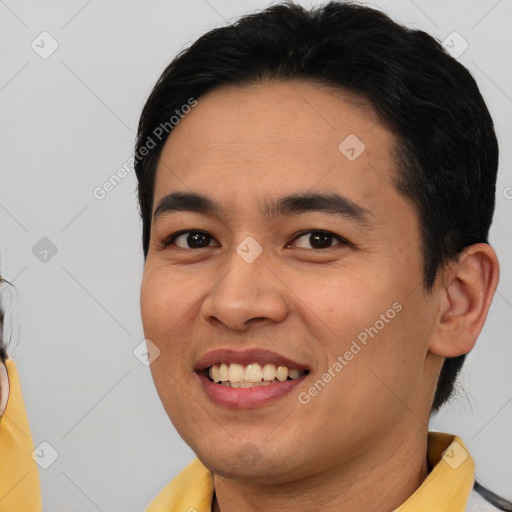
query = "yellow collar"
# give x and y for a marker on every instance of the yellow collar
(19, 477)
(446, 488)
(448, 485)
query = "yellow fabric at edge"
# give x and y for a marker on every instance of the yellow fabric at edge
(19, 478)
(446, 488)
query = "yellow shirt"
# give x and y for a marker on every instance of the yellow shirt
(446, 488)
(19, 477)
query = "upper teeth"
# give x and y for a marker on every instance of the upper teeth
(253, 372)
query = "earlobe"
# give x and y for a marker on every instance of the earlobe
(468, 287)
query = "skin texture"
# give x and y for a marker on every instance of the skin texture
(362, 439)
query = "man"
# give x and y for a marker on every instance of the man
(19, 478)
(316, 261)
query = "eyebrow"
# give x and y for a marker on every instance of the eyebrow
(332, 203)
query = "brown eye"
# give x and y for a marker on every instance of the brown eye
(319, 239)
(190, 240)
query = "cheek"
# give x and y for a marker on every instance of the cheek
(342, 303)
(160, 320)
(394, 358)
(163, 301)
(160, 314)
(372, 325)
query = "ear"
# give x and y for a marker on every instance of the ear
(466, 291)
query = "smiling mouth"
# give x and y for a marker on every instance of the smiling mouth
(252, 375)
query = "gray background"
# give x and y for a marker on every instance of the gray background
(67, 124)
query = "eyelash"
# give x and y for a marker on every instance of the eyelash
(343, 241)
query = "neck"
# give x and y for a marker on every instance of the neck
(380, 479)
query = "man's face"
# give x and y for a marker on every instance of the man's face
(310, 297)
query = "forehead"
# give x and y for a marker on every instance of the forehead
(270, 136)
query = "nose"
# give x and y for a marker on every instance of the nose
(248, 293)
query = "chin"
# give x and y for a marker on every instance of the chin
(245, 460)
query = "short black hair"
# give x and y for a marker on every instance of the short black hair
(446, 152)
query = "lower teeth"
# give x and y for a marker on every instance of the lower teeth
(247, 384)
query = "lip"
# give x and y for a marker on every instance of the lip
(248, 398)
(247, 356)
